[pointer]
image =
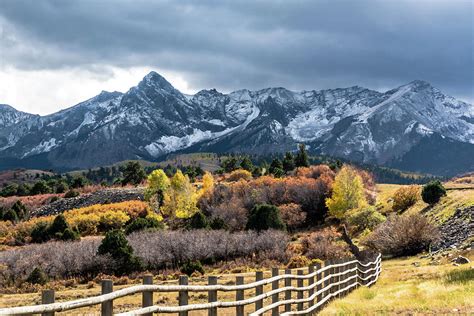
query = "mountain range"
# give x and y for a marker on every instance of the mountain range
(413, 127)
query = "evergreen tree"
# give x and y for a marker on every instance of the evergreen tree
(58, 226)
(263, 217)
(301, 159)
(78, 182)
(198, 221)
(133, 173)
(432, 192)
(276, 168)
(116, 245)
(40, 187)
(229, 164)
(20, 210)
(246, 164)
(288, 162)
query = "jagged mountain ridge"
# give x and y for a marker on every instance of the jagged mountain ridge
(154, 119)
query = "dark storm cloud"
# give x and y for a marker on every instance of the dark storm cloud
(251, 44)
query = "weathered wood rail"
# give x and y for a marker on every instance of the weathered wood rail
(320, 284)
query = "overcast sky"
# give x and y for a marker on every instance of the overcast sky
(54, 54)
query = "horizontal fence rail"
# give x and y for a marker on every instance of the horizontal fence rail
(323, 283)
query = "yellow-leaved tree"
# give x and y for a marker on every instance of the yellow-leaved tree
(180, 198)
(207, 184)
(348, 193)
(158, 184)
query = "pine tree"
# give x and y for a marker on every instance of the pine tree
(301, 159)
(246, 164)
(288, 162)
(133, 173)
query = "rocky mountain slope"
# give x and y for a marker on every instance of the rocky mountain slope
(415, 127)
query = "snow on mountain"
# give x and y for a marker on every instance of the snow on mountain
(154, 119)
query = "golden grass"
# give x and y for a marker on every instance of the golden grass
(439, 213)
(404, 289)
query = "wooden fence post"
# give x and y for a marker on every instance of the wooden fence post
(239, 296)
(338, 278)
(300, 294)
(147, 296)
(319, 276)
(275, 311)
(354, 273)
(258, 289)
(47, 297)
(212, 295)
(332, 278)
(287, 293)
(107, 307)
(183, 295)
(311, 282)
(343, 277)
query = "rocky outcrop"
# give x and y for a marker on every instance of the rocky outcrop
(106, 196)
(458, 229)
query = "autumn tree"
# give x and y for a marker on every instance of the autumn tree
(348, 193)
(301, 159)
(158, 183)
(181, 197)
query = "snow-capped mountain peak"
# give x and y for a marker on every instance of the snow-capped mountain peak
(154, 119)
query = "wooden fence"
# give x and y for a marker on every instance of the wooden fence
(314, 287)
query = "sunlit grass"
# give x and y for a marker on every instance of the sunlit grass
(406, 289)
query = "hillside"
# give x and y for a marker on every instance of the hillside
(413, 127)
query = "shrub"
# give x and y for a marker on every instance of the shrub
(239, 174)
(263, 217)
(85, 224)
(37, 276)
(142, 224)
(298, 262)
(69, 235)
(173, 248)
(71, 194)
(116, 245)
(216, 223)
(405, 197)
(432, 192)
(10, 215)
(20, 209)
(402, 235)
(40, 233)
(364, 218)
(198, 221)
(292, 215)
(324, 245)
(190, 267)
(112, 220)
